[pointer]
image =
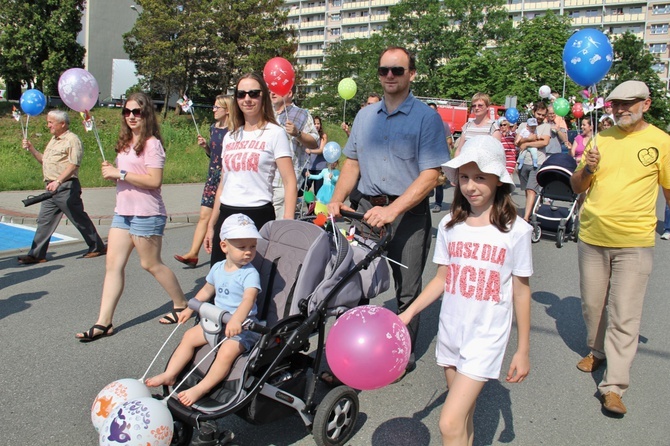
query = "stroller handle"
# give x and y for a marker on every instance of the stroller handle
(387, 230)
(214, 318)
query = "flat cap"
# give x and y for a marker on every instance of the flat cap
(628, 91)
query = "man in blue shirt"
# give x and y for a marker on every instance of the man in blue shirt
(396, 147)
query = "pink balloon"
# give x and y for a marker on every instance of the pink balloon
(368, 347)
(279, 75)
(578, 110)
(78, 89)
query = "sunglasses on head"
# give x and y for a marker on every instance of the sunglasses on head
(253, 94)
(396, 71)
(136, 112)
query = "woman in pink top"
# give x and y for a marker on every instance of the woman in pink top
(139, 216)
(582, 140)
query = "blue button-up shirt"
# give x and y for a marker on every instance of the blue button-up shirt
(392, 149)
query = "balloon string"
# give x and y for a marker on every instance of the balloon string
(25, 134)
(344, 110)
(195, 123)
(195, 367)
(159, 351)
(565, 77)
(97, 138)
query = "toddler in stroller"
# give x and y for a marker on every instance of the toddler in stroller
(306, 274)
(235, 283)
(547, 216)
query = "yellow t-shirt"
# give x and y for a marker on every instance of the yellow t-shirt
(620, 206)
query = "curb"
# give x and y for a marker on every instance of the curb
(98, 221)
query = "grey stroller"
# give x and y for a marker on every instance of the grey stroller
(307, 273)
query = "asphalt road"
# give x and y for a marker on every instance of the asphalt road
(49, 379)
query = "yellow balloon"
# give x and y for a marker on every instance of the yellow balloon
(320, 208)
(347, 88)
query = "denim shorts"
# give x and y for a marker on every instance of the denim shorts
(140, 226)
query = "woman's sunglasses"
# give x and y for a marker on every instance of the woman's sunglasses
(136, 112)
(253, 94)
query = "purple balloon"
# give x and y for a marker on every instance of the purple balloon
(78, 89)
(368, 347)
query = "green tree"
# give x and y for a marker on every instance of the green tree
(533, 57)
(632, 61)
(437, 30)
(201, 47)
(38, 41)
(349, 58)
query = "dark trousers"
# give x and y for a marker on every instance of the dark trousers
(260, 215)
(439, 194)
(66, 200)
(409, 246)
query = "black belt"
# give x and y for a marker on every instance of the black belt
(381, 200)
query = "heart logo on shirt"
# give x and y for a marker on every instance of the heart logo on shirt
(648, 156)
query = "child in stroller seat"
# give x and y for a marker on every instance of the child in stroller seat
(235, 283)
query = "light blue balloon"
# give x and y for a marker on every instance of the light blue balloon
(332, 152)
(512, 115)
(33, 102)
(587, 56)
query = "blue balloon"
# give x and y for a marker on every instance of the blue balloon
(33, 102)
(332, 152)
(512, 115)
(587, 56)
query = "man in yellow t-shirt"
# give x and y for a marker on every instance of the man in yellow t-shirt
(622, 168)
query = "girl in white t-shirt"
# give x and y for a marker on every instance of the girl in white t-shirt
(483, 252)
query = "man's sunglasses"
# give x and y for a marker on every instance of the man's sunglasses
(136, 112)
(397, 71)
(253, 94)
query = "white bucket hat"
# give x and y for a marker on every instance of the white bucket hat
(238, 226)
(485, 151)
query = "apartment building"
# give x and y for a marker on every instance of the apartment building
(320, 22)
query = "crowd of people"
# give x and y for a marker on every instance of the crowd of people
(262, 147)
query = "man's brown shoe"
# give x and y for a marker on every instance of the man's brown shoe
(30, 260)
(612, 403)
(589, 363)
(94, 254)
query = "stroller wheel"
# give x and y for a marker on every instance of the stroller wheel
(537, 233)
(182, 434)
(560, 237)
(335, 417)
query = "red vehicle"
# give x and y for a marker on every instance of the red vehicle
(456, 112)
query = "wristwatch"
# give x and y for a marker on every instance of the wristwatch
(299, 133)
(123, 175)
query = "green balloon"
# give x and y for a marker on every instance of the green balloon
(308, 196)
(561, 107)
(347, 88)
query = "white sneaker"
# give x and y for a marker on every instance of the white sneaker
(666, 235)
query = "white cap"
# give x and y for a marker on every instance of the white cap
(531, 122)
(485, 151)
(238, 226)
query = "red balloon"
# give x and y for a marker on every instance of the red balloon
(279, 75)
(577, 110)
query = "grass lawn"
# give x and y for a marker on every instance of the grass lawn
(185, 160)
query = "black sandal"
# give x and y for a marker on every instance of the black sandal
(90, 336)
(172, 317)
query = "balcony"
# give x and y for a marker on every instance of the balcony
(355, 35)
(309, 53)
(374, 3)
(314, 10)
(355, 20)
(313, 38)
(311, 67)
(377, 18)
(534, 6)
(355, 5)
(627, 18)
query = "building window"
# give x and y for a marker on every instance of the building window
(335, 31)
(573, 14)
(616, 11)
(335, 17)
(658, 48)
(659, 28)
(592, 13)
(661, 9)
(363, 29)
(658, 67)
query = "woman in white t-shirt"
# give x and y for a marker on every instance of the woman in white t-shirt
(482, 124)
(251, 154)
(139, 216)
(483, 252)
